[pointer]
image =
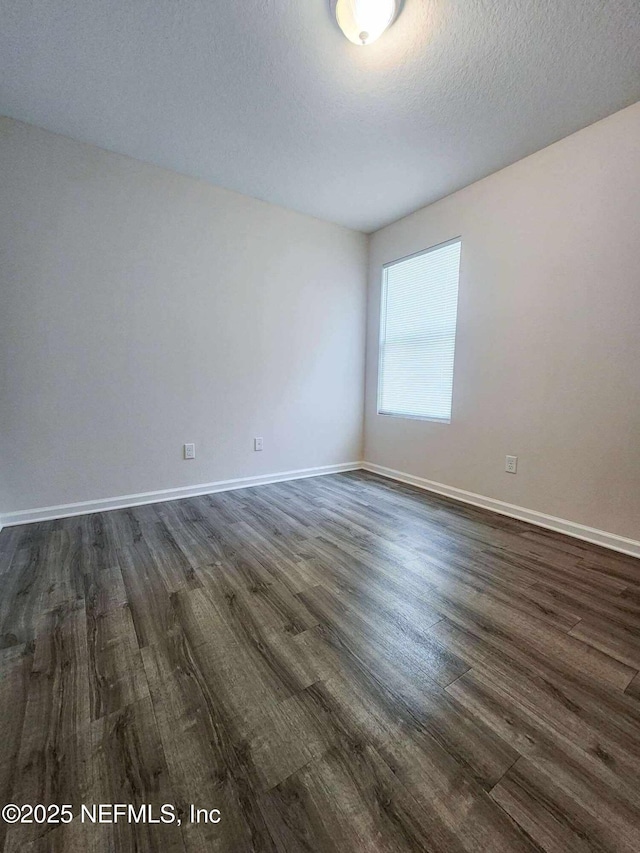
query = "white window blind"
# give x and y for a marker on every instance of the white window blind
(418, 334)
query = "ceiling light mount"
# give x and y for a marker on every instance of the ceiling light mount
(364, 21)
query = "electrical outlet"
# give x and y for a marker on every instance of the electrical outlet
(189, 451)
(257, 444)
(511, 464)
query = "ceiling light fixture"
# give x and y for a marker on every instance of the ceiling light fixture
(364, 21)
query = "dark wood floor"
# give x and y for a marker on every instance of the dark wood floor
(336, 664)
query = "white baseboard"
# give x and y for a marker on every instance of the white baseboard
(540, 519)
(28, 516)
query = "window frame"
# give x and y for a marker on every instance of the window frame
(382, 330)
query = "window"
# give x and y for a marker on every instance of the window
(418, 334)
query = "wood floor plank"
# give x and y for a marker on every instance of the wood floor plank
(31, 588)
(525, 639)
(116, 672)
(270, 602)
(151, 604)
(359, 706)
(380, 703)
(607, 711)
(557, 821)
(95, 536)
(370, 809)
(613, 607)
(578, 765)
(445, 789)
(128, 765)
(205, 754)
(52, 764)
(634, 688)
(15, 671)
(10, 541)
(620, 641)
(249, 677)
(415, 657)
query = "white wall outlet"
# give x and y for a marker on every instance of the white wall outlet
(189, 451)
(258, 444)
(511, 464)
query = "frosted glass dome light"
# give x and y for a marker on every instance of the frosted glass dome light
(364, 21)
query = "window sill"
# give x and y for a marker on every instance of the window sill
(414, 417)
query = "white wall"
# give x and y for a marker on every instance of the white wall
(548, 347)
(140, 309)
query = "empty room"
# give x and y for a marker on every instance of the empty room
(320, 426)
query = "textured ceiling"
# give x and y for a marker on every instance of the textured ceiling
(268, 98)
